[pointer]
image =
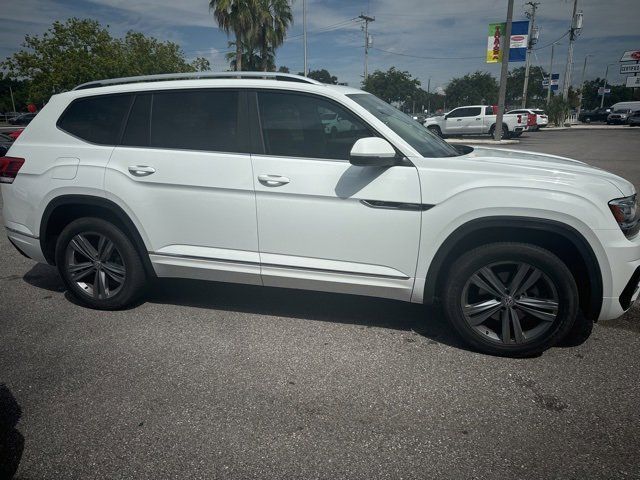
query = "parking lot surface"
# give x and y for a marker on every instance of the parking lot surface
(208, 380)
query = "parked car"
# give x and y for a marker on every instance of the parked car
(5, 142)
(634, 119)
(22, 119)
(234, 178)
(540, 118)
(475, 120)
(334, 124)
(15, 133)
(618, 116)
(597, 115)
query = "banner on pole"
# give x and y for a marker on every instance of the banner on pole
(518, 43)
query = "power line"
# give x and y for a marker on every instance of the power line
(555, 41)
(425, 58)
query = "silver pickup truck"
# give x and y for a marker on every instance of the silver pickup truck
(475, 120)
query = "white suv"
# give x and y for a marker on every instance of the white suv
(238, 180)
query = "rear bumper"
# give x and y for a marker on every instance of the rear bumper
(28, 245)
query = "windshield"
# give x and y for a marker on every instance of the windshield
(425, 142)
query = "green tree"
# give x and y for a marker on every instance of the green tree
(20, 90)
(474, 88)
(392, 85)
(283, 69)
(78, 51)
(323, 76)
(536, 94)
(237, 16)
(272, 19)
(619, 93)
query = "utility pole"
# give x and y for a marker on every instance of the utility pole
(576, 26)
(304, 35)
(506, 45)
(367, 42)
(533, 38)
(428, 96)
(553, 47)
(584, 68)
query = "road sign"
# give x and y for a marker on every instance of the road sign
(629, 69)
(604, 91)
(631, 56)
(633, 82)
(555, 79)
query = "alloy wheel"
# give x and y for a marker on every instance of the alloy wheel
(510, 302)
(95, 265)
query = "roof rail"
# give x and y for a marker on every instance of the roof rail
(287, 77)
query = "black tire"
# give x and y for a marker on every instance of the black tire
(553, 270)
(505, 132)
(435, 130)
(129, 290)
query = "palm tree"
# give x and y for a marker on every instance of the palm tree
(236, 15)
(272, 19)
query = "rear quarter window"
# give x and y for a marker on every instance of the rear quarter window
(96, 119)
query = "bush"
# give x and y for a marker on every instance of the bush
(558, 110)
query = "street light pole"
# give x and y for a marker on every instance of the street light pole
(553, 47)
(304, 35)
(13, 103)
(502, 93)
(604, 87)
(584, 68)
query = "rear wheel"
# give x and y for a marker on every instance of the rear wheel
(510, 299)
(99, 264)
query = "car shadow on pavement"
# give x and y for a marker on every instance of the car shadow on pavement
(427, 321)
(11, 440)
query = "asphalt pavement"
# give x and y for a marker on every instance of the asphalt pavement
(208, 380)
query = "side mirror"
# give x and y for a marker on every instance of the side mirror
(372, 152)
(446, 116)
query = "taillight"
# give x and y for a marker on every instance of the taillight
(9, 168)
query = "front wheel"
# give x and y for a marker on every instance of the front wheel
(436, 131)
(511, 299)
(99, 264)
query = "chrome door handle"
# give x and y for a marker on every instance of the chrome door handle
(141, 170)
(273, 180)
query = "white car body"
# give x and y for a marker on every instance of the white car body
(474, 120)
(542, 120)
(314, 223)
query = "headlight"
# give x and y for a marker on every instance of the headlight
(625, 212)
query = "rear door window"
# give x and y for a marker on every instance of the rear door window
(96, 119)
(196, 120)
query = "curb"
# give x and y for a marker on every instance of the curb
(586, 127)
(480, 141)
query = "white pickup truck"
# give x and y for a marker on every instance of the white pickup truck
(475, 120)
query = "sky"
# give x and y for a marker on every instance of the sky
(450, 35)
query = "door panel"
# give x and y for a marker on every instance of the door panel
(196, 206)
(318, 226)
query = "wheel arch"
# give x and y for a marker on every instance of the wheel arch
(62, 210)
(561, 239)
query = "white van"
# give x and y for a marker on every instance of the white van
(633, 106)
